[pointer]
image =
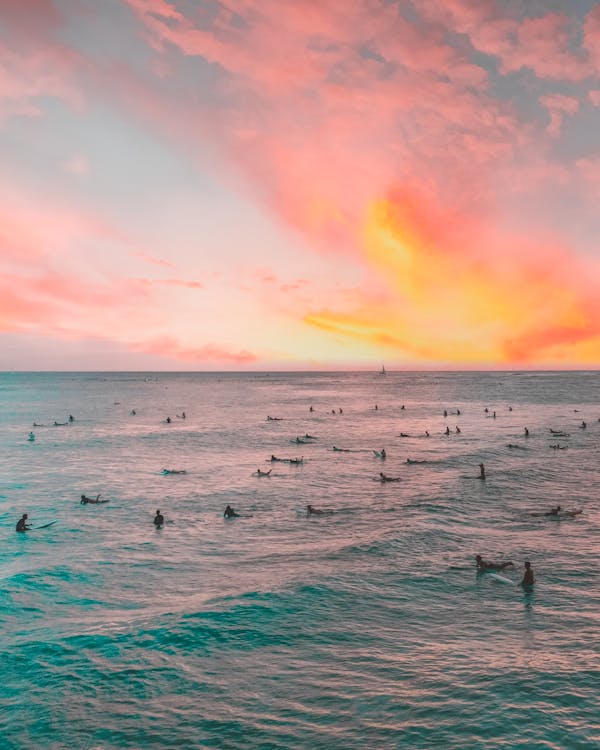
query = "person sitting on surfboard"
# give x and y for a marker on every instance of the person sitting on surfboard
(384, 478)
(229, 512)
(262, 473)
(159, 520)
(382, 453)
(22, 524)
(486, 565)
(528, 577)
(85, 500)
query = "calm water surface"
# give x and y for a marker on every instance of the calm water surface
(364, 629)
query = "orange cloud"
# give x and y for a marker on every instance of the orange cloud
(458, 293)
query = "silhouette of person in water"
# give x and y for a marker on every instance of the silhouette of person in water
(526, 431)
(528, 577)
(457, 430)
(85, 500)
(22, 524)
(447, 431)
(486, 565)
(159, 520)
(481, 471)
(229, 512)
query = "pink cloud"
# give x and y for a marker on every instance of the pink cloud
(168, 346)
(558, 106)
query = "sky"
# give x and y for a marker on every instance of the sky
(299, 184)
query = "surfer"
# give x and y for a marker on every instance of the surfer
(22, 524)
(583, 425)
(71, 418)
(159, 520)
(311, 511)
(402, 407)
(229, 512)
(445, 413)
(384, 478)
(31, 437)
(414, 461)
(447, 431)
(526, 431)
(457, 430)
(426, 433)
(261, 473)
(59, 424)
(481, 471)
(173, 471)
(458, 412)
(95, 501)
(309, 437)
(383, 453)
(168, 420)
(311, 409)
(341, 450)
(528, 577)
(403, 434)
(376, 407)
(133, 412)
(487, 565)
(35, 424)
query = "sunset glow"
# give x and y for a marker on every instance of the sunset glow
(289, 185)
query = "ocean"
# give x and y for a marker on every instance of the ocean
(367, 627)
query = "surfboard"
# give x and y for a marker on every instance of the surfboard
(502, 579)
(43, 526)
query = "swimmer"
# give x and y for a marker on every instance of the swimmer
(229, 512)
(558, 447)
(159, 520)
(528, 577)
(22, 524)
(384, 478)
(94, 501)
(481, 471)
(486, 565)
(261, 473)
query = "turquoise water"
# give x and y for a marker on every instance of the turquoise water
(364, 629)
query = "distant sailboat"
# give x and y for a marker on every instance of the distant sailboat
(383, 372)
